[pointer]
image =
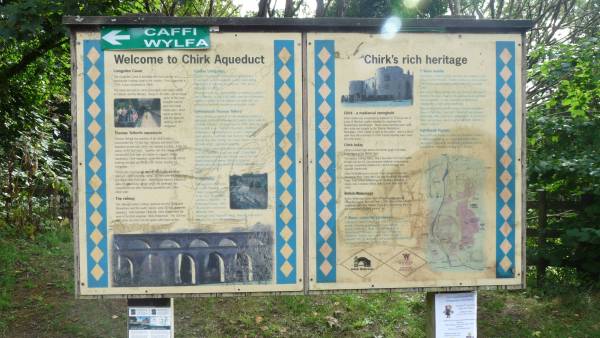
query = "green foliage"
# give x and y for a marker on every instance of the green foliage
(47, 301)
(420, 9)
(564, 147)
(366, 8)
(385, 8)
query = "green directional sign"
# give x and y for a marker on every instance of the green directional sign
(155, 37)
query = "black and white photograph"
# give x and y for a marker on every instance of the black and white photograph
(389, 86)
(248, 191)
(194, 258)
(137, 113)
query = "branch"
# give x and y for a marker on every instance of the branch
(272, 10)
(50, 42)
(297, 7)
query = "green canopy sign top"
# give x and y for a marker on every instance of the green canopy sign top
(155, 37)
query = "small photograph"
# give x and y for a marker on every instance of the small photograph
(149, 323)
(389, 86)
(248, 191)
(137, 113)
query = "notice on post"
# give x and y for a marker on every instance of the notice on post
(456, 315)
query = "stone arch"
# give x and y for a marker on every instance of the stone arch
(227, 242)
(138, 244)
(170, 265)
(187, 269)
(215, 268)
(243, 267)
(124, 270)
(150, 270)
(198, 243)
(168, 244)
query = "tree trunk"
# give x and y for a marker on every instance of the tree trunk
(263, 8)
(9, 190)
(340, 8)
(211, 7)
(289, 9)
(320, 8)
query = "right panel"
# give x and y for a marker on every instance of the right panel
(414, 160)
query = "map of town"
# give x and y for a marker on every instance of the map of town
(454, 186)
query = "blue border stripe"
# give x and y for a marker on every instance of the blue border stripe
(500, 151)
(89, 173)
(279, 154)
(330, 99)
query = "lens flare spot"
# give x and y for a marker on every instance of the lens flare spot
(411, 3)
(391, 26)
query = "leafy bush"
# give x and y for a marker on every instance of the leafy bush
(564, 148)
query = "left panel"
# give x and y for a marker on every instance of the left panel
(190, 167)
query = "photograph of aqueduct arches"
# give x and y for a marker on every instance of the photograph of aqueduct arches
(192, 258)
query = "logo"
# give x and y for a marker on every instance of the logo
(362, 263)
(406, 262)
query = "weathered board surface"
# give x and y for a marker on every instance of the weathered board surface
(285, 161)
(190, 171)
(416, 160)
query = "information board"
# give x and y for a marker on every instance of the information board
(416, 162)
(190, 168)
(297, 156)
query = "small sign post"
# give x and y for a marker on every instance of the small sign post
(452, 314)
(155, 37)
(150, 318)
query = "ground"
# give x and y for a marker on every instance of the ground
(36, 300)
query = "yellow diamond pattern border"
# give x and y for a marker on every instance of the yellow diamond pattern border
(324, 71)
(506, 161)
(95, 124)
(284, 112)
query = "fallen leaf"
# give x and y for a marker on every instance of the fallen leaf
(115, 316)
(258, 319)
(332, 321)
(264, 328)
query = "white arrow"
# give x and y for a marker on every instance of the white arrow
(113, 38)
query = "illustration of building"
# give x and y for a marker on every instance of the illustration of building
(389, 84)
(192, 258)
(362, 262)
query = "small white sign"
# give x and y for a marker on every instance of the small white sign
(456, 315)
(150, 322)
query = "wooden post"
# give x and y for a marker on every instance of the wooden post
(430, 314)
(542, 263)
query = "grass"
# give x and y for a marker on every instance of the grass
(36, 300)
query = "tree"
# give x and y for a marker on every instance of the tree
(383, 8)
(34, 109)
(564, 148)
(292, 7)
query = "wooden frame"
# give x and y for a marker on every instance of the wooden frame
(303, 26)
